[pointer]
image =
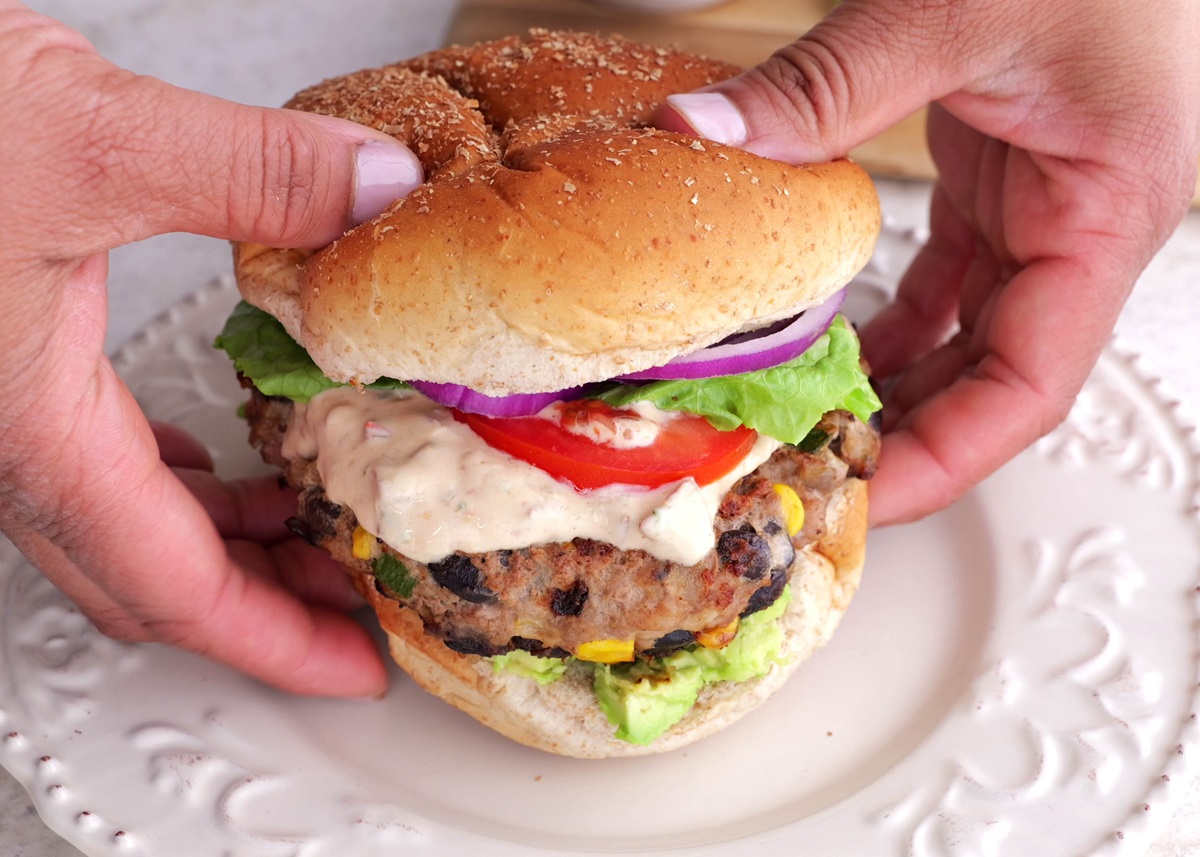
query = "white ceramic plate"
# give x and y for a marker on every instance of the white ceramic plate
(1017, 677)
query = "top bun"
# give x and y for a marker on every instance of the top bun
(557, 239)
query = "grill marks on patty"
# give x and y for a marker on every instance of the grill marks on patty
(549, 599)
(570, 601)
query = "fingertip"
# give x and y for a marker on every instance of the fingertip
(908, 484)
(736, 113)
(384, 172)
(350, 664)
(255, 625)
(711, 115)
(342, 661)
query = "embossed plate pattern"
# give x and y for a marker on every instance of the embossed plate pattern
(1017, 677)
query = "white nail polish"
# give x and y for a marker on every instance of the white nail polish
(712, 116)
(385, 172)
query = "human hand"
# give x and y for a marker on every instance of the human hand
(1066, 136)
(96, 157)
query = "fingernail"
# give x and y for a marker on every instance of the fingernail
(712, 116)
(386, 172)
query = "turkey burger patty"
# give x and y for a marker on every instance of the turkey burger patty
(565, 594)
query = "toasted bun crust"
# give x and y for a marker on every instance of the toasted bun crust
(564, 718)
(557, 240)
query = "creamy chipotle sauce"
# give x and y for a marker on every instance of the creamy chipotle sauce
(632, 427)
(428, 485)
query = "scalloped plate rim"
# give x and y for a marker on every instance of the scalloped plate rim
(1139, 823)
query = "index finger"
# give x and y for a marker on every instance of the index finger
(1046, 332)
(138, 535)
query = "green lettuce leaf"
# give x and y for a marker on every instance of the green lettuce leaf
(783, 402)
(274, 362)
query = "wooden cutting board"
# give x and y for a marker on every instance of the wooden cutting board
(740, 31)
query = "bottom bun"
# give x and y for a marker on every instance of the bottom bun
(564, 717)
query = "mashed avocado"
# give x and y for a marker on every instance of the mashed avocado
(646, 698)
(541, 670)
(643, 700)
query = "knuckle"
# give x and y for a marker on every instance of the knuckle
(130, 613)
(52, 512)
(811, 84)
(118, 625)
(83, 164)
(284, 169)
(856, 55)
(39, 64)
(105, 152)
(191, 623)
(47, 480)
(852, 59)
(176, 633)
(1046, 404)
(29, 44)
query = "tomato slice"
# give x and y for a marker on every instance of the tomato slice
(686, 445)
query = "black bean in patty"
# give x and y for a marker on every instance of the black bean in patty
(769, 593)
(319, 514)
(745, 552)
(537, 647)
(461, 576)
(671, 642)
(473, 646)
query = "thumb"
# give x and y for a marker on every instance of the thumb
(865, 67)
(116, 157)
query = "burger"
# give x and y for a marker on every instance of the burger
(580, 415)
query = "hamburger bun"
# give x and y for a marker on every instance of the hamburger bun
(557, 240)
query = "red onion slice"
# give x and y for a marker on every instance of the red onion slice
(749, 352)
(466, 399)
(743, 352)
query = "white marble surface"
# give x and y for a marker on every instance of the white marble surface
(258, 50)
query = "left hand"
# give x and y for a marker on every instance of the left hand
(1066, 136)
(96, 157)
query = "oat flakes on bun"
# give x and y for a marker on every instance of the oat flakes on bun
(579, 415)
